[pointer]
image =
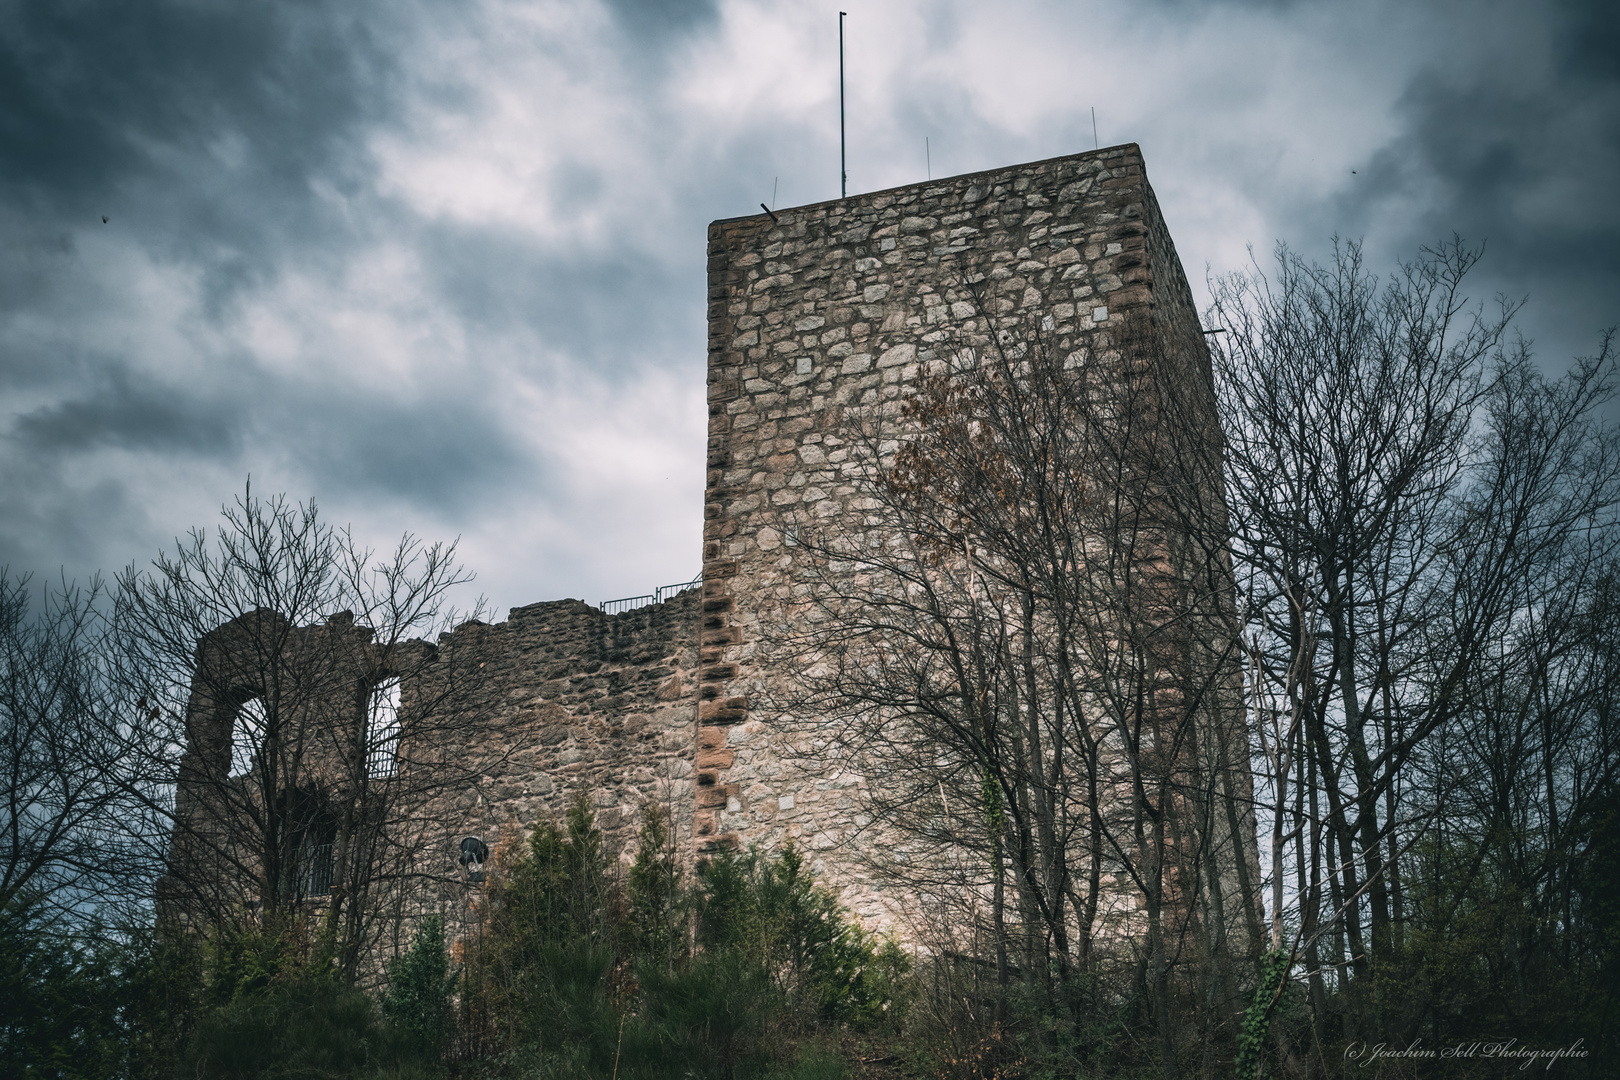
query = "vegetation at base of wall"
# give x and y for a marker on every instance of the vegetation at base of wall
(756, 972)
(420, 985)
(751, 970)
(816, 959)
(309, 1028)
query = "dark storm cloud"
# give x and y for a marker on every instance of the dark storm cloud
(107, 102)
(225, 144)
(441, 265)
(1590, 38)
(129, 412)
(1521, 155)
(442, 451)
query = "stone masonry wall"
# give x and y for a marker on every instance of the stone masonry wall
(577, 700)
(819, 320)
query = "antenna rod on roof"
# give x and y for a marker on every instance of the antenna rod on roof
(1095, 142)
(843, 160)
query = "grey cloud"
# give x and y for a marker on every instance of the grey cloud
(49, 527)
(129, 412)
(574, 303)
(1526, 166)
(655, 21)
(96, 90)
(439, 450)
(195, 126)
(1590, 38)
(230, 144)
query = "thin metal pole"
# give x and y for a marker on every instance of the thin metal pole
(843, 159)
(1095, 142)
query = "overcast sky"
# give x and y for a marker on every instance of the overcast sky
(441, 265)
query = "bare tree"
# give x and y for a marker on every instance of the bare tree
(62, 757)
(297, 726)
(1408, 501)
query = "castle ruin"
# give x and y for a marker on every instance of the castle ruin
(820, 318)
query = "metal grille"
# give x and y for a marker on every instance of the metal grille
(382, 730)
(318, 870)
(382, 758)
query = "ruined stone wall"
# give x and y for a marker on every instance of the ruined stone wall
(819, 321)
(574, 700)
(310, 683)
(504, 724)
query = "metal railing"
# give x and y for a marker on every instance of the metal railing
(382, 730)
(657, 596)
(666, 591)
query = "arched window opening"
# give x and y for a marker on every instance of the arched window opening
(382, 730)
(247, 735)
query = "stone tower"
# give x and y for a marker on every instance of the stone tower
(823, 314)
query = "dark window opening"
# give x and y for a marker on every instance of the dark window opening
(317, 869)
(313, 833)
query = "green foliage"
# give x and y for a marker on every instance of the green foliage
(161, 991)
(712, 1015)
(305, 1029)
(570, 977)
(995, 817)
(245, 956)
(561, 889)
(279, 1010)
(1257, 1017)
(654, 892)
(62, 999)
(417, 1002)
(89, 1002)
(772, 910)
(547, 912)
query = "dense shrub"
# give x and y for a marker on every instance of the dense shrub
(417, 1002)
(61, 994)
(307, 1029)
(745, 974)
(771, 910)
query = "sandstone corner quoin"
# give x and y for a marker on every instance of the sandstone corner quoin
(821, 319)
